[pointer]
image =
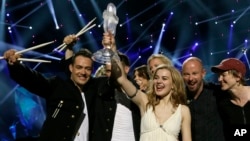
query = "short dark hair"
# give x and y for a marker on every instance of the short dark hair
(124, 59)
(82, 52)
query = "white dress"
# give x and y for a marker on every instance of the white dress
(151, 130)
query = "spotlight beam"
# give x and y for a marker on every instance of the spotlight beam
(145, 30)
(11, 25)
(221, 18)
(134, 62)
(242, 14)
(158, 44)
(77, 12)
(229, 45)
(24, 17)
(82, 22)
(23, 5)
(157, 3)
(2, 19)
(52, 11)
(245, 55)
(145, 10)
(142, 34)
(97, 9)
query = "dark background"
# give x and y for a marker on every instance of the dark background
(216, 34)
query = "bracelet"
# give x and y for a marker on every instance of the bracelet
(132, 96)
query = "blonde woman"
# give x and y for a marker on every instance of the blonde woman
(163, 111)
(155, 60)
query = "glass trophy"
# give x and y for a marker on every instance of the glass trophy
(110, 22)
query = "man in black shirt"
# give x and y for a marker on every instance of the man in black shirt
(203, 101)
(68, 100)
(115, 116)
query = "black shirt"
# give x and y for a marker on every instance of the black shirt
(235, 118)
(206, 123)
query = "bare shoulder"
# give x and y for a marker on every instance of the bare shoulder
(185, 110)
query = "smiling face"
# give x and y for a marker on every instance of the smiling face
(141, 81)
(81, 70)
(228, 81)
(163, 83)
(155, 60)
(153, 64)
(193, 74)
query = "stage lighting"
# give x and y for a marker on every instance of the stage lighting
(243, 50)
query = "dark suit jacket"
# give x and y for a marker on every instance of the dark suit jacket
(64, 103)
(99, 94)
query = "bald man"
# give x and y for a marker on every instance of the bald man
(202, 101)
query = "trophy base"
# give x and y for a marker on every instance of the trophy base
(103, 56)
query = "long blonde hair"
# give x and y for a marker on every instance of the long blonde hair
(179, 94)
